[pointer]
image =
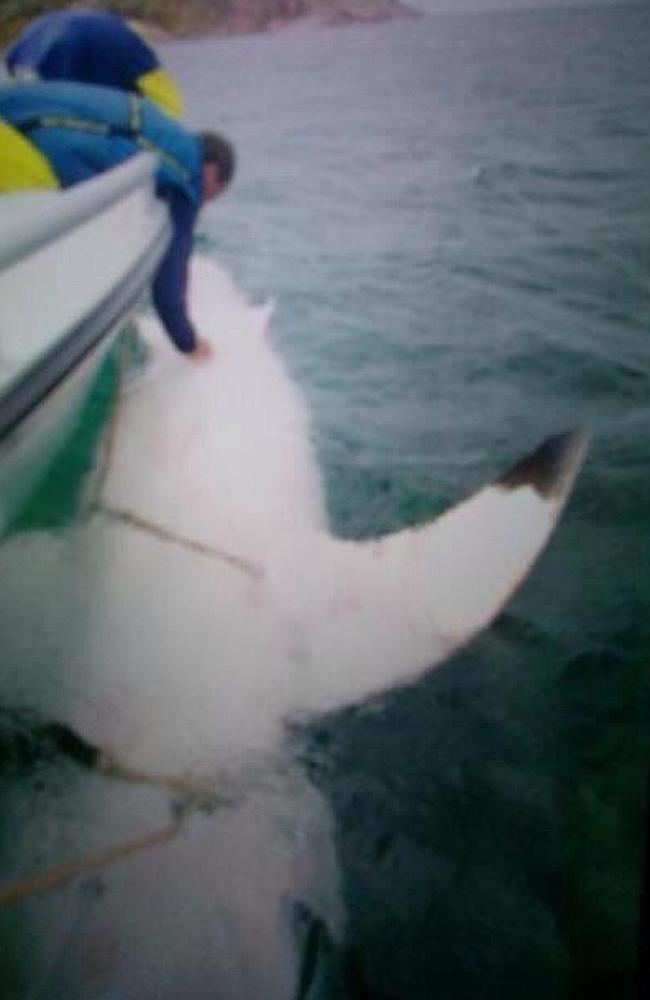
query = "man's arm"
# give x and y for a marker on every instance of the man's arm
(169, 289)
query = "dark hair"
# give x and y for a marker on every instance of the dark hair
(218, 150)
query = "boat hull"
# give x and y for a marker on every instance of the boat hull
(73, 265)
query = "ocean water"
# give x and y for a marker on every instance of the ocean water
(451, 214)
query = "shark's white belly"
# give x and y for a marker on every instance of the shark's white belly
(202, 605)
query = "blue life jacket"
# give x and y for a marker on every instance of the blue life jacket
(92, 46)
(83, 129)
(89, 46)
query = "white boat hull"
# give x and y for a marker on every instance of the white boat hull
(72, 266)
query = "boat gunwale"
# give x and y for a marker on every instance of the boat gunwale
(28, 390)
(82, 202)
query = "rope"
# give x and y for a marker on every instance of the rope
(200, 794)
(193, 798)
(60, 875)
(134, 520)
(137, 521)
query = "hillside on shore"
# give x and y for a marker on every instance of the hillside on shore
(172, 19)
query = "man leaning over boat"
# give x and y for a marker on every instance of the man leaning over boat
(57, 134)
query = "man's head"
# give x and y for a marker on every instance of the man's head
(218, 164)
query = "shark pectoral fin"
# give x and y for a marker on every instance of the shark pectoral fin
(483, 548)
(407, 601)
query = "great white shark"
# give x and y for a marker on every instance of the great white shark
(202, 604)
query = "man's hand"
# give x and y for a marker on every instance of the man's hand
(202, 352)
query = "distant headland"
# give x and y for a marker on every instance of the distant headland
(164, 20)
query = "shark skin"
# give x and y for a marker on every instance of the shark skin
(320, 622)
(202, 605)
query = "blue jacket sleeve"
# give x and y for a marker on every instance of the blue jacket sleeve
(169, 289)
